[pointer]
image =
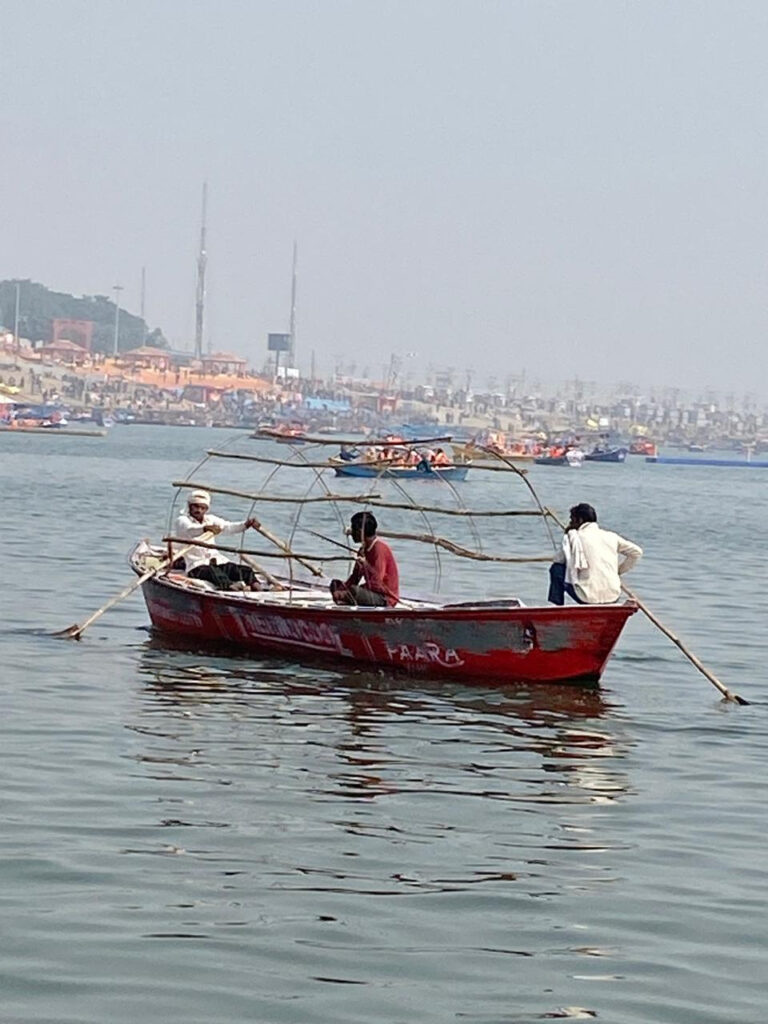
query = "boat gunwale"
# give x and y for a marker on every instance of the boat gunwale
(489, 610)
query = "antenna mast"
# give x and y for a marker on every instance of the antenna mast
(292, 328)
(202, 260)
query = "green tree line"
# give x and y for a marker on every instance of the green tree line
(39, 307)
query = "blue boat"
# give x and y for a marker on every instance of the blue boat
(551, 460)
(423, 471)
(607, 455)
(681, 460)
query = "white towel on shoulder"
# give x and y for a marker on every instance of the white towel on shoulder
(575, 556)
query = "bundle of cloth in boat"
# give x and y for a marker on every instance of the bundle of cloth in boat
(204, 563)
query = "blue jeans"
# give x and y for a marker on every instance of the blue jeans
(558, 588)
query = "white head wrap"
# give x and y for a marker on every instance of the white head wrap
(199, 498)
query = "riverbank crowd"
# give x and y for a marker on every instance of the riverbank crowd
(152, 386)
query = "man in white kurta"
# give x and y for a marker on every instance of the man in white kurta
(591, 562)
(206, 563)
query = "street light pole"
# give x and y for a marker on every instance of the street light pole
(16, 320)
(117, 288)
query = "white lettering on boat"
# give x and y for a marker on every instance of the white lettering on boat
(426, 653)
(318, 635)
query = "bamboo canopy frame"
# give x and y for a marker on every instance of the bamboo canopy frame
(285, 554)
(457, 549)
(369, 500)
(421, 538)
(266, 435)
(359, 499)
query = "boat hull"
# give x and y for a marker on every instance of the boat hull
(470, 452)
(357, 469)
(546, 460)
(614, 455)
(484, 643)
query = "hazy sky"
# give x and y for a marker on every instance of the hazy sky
(572, 188)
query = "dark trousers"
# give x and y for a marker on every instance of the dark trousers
(222, 576)
(558, 588)
(342, 594)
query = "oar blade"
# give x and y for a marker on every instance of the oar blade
(70, 633)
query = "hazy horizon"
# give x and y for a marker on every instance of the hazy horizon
(575, 190)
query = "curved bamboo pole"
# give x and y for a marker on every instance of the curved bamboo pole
(282, 554)
(359, 499)
(318, 479)
(457, 549)
(266, 435)
(523, 474)
(374, 500)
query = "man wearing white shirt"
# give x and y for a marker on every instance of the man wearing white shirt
(591, 561)
(205, 563)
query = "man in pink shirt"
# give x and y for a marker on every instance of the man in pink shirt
(375, 563)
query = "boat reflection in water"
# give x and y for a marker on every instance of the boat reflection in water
(388, 738)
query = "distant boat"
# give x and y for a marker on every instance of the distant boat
(43, 417)
(490, 446)
(643, 448)
(283, 434)
(573, 457)
(606, 455)
(423, 471)
(491, 454)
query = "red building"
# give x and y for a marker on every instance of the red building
(79, 331)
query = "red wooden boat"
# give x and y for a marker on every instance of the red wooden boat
(486, 642)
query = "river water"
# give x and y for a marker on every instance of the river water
(188, 837)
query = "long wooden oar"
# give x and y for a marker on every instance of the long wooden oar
(273, 581)
(76, 631)
(314, 569)
(728, 694)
